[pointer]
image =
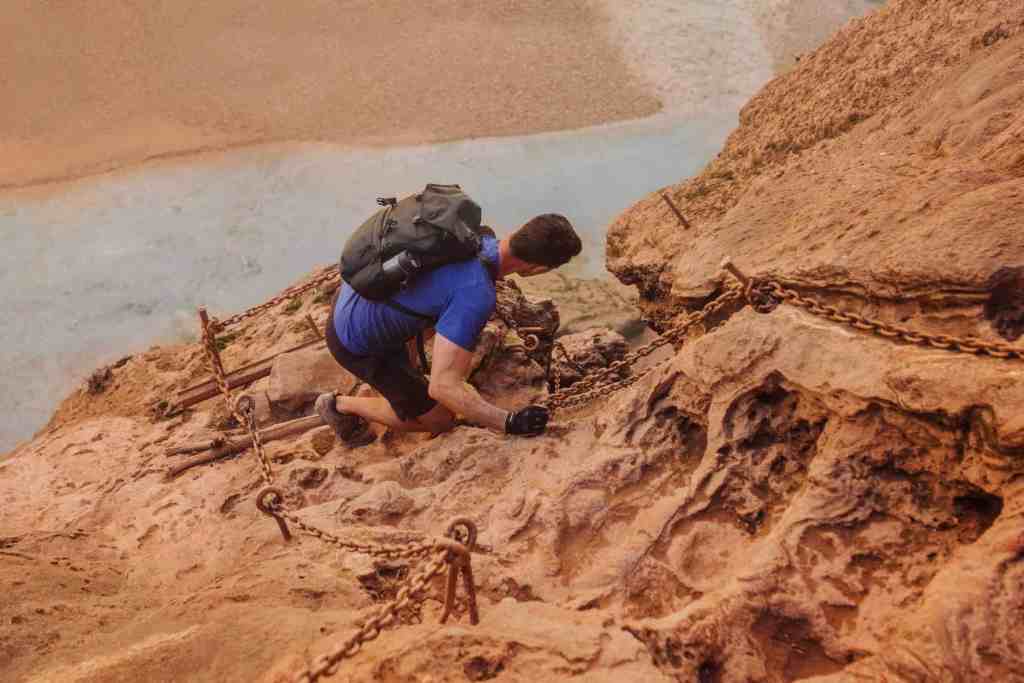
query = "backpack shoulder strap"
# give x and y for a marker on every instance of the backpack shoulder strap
(424, 365)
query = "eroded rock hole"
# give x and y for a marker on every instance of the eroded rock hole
(384, 582)
(692, 435)
(672, 653)
(790, 648)
(482, 669)
(1005, 305)
(977, 511)
(775, 434)
(709, 672)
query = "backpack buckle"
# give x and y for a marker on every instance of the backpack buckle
(387, 201)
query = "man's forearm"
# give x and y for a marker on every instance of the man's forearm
(463, 399)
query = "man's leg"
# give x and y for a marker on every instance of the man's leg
(437, 419)
(398, 383)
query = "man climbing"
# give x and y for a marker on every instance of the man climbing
(369, 337)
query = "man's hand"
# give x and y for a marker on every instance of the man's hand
(530, 421)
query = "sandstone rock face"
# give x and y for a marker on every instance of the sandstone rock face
(297, 378)
(587, 303)
(587, 352)
(533, 642)
(786, 498)
(887, 166)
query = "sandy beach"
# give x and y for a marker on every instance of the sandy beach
(92, 88)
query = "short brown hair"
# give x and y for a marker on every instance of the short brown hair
(547, 240)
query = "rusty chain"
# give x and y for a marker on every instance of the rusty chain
(290, 293)
(575, 400)
(271, 501)
(413, 590)
(244, 409)
(968, 345)
(529, 335)
(554, 374)
(610, 379)
(765, 294)
(249, 412)
(553, 370)
(454, 554)
(762, 294)
(275, 508)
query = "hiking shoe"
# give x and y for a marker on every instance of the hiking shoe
(349, 428)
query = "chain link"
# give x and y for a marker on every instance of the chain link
(762, 294)
(257, 440)
(575, 400)
(244, 411)
(967, 345)
(245, 418)
(392, 552)
(290, 293)
(413, 590)
(609, 379)
(271, 501)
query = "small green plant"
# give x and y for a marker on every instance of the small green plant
(160, 410)
(224, 339)
(293, 305)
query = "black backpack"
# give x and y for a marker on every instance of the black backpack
(424, 231)
(419, 233)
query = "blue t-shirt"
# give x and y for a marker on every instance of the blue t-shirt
(460, 295)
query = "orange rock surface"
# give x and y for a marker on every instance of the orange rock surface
(785, 498)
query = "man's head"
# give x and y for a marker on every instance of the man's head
(542, 244)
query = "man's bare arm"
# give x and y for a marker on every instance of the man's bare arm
(450, 367)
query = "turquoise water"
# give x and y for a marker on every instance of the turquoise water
(109, 266)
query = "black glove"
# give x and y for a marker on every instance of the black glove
(530, 421)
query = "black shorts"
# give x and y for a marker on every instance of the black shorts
(392, 375)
